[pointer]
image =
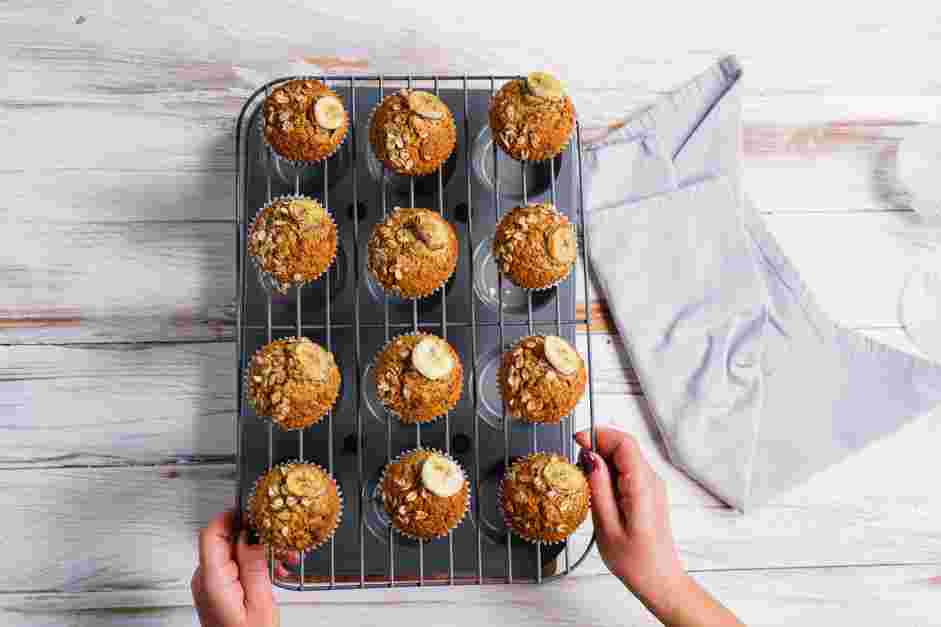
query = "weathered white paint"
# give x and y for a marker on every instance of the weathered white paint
(117, 173)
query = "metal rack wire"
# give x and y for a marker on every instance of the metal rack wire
(474, 325)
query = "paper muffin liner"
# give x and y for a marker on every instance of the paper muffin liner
(374, 364)
(467, 502)
(246, 386)
(273, 153)
(506, 519)
(336, 524)
(553, 285)
(399, 293)
(512, 348)
(268, 282)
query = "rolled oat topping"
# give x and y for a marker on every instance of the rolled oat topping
(532, 120)
(412, 132)
(412, 252)
(535, 246)
(293, 240)
(535, 390)
(294, 382)
(295, 506)
(544, 497)
(304, 120)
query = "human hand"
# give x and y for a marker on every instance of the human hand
(630, 512)
(231, 586)
(632, 528)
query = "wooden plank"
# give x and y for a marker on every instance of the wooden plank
(117, 403)
(854, 595)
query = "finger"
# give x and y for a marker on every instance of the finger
(604, 507)
(621, 449)
(253, 572)
(215, 549)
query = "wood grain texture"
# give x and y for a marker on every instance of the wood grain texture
(117, 403)
(870, 595)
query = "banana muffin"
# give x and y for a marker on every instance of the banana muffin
(418, 377)
(535, 246)
(295, 506)
(412, 132)
(293, 382)
(532, 119)
(304, 121)
(544, 498)
(413, 252)
(425, 493)
(541, 379)
(293, 241)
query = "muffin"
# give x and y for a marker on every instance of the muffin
(425, 493)
(541, 379)
(292, 241)
(412, 132)
(418, 377)
(304, 121)
(544, 498)
(413, 252)
(532, 119)
(535, 246)
(293, 381)
(295, 506)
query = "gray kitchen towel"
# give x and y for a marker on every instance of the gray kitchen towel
(752, 386)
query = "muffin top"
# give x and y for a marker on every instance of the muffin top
(544, 497)
(412, 132)
(532, 119)
(535, 246)
(412, 252)
(425, 493)
(304, 120)
(418, 377)
(293, 240)
(541, 378)
(294, 382)
(295, 506)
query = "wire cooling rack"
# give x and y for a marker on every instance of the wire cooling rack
(475, 312)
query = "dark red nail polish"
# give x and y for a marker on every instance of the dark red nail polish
(586, 461)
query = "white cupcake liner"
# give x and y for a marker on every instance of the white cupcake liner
(374, 363)
(246, 385)
(396, 292)
(512, 348)
(399, 458)
(333, 530)
(551, 285)
(506, 519)
(268, 282)
(293, 162)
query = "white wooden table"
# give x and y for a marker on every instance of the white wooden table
(116, 290)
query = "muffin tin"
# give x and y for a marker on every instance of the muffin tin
(478, 312)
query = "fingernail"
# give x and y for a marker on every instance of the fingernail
(586, 461)
(252, 537)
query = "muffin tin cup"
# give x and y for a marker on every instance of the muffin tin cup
(333, 530)
(467, 501)
(506, 519)
(246, 386)
(521, 419)
(268, 282)
(299, 163)
(372, 370)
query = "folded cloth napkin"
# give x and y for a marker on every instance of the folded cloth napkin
(752, 386)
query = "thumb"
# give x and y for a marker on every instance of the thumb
(604, 507)
(253, 574)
